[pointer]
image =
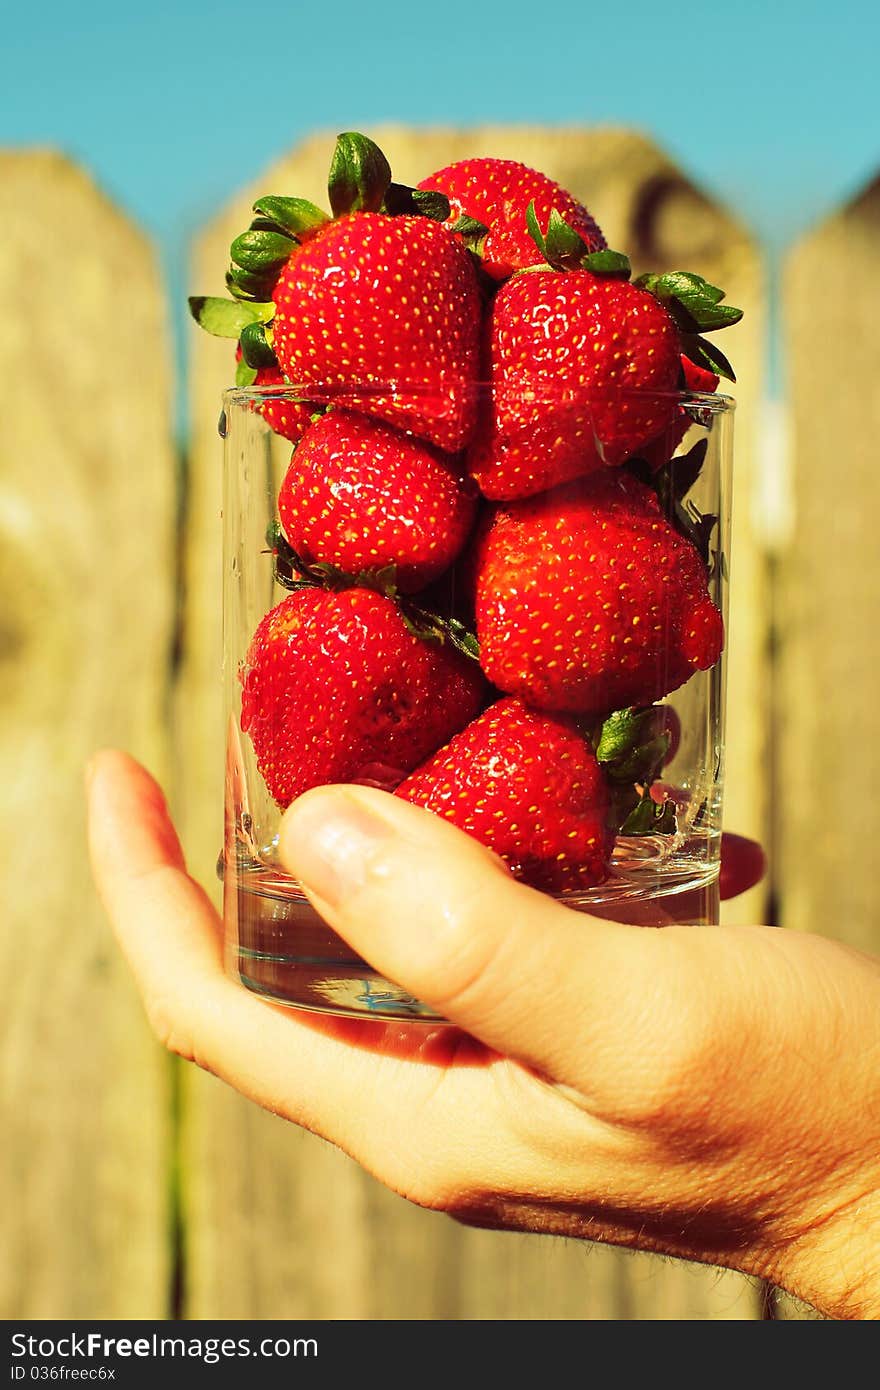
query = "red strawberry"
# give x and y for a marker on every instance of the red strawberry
(335, 688)
(660, 450)
(288, 418)
(698, 378)
(360, 495)
(371, 299)
(582, 368)
(587, 599)
(529, 787)
(497, 193)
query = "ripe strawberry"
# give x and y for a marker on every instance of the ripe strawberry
(497, 193)
(361, 496)
(582, 367)
(335, 688)
(698, 378)
(589, 600)
(529, 787)
(288, 418)
(371, 299)
(660, 450)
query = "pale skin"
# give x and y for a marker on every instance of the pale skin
(707, 1093)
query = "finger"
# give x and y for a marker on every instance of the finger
(170, 933)
(441, 916)
(743, 864)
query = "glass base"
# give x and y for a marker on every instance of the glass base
(279, 947)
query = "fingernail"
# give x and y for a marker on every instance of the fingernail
(328, 840)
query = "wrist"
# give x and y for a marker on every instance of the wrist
(834, 1265)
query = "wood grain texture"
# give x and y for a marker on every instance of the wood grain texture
(829, 598)
(376, 1257)
(87, 506)
(828, 594)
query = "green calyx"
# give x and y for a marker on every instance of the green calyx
(256, 347)
(292, 572)
(296, 217)
(650, 817)
(565, 249)
(359, 175)
(359, 181)
(227, 318)
(402, 201)
(632, 745)
(245, 375)
(259, 255)
(696, 308)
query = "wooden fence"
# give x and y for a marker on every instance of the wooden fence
(136, 1187)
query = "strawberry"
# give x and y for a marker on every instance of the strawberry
(692, 379)
(336, 688)
(698, 378)
(359, 495)
(587, 599)
(371, 299)
(528, 786)
(288, 418)
(379, 295)
(582, 368)
(496, 193)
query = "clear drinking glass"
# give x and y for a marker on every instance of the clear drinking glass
(276, 943)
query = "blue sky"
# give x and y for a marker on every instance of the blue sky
(768, 103)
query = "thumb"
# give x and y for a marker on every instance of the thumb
(440, 915)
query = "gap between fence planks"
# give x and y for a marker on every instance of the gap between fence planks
(87, 511)
(277, 1223)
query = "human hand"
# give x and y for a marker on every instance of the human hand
(711, 1093)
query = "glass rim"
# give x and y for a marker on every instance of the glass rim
(329, 393)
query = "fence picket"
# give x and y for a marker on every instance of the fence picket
(87, 510)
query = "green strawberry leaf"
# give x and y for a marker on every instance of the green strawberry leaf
(289, 570)
(244, 375)
(429, 203)
(693, 303)
(400, 199)
(256, 349)
(470, 229)
(292, 216)
(707, 355)
(534, 229)
(430, 627)
(244, 284)
(360, 175)
(261, 253)
(225, 318)
(607, 263)
(650, 818)
(632, 744)
(564, 248)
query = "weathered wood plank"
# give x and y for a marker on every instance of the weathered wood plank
(828, 635)
(87, 510)
(418, 1264)
(828, 597)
